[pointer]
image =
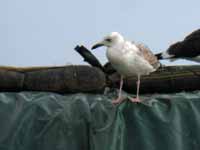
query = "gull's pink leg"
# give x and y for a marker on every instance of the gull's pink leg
(119, 99)
(137, 99)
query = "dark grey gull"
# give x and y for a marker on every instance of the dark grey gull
(188, 49)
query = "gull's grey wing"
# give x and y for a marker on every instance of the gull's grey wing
(148, 55)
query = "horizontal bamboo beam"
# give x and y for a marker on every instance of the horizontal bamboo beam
(70, 79)
(167, 79)
(67, 79)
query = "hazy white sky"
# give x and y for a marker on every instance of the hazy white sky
(44, 32)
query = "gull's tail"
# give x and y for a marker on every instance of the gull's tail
(159, 56)
(165, 55)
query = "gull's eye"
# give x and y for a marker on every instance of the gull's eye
(108, 40)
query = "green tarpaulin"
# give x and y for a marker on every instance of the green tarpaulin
(49, 121)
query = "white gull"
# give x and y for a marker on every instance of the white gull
(129, 59)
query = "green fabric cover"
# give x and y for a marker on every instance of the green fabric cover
(49, 121)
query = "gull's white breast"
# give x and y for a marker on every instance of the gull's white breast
(127, 61)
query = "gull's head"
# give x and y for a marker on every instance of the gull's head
(110, 40)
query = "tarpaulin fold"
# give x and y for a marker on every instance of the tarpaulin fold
(49, 121)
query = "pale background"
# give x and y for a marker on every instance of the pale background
(44, 32)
